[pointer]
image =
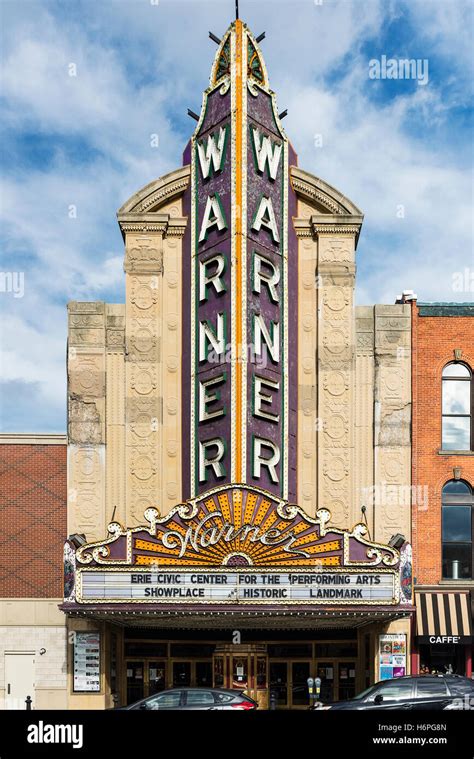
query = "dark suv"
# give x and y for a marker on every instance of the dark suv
(435, 692)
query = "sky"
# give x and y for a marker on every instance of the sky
(86, 86)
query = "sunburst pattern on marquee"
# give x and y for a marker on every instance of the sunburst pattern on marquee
(237, 526)
(239, 508)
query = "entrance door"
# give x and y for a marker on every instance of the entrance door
(326, 672)
(279, 683)
(144, 678)
(19, 679)
(346, 683)
(300, 671)
(135, 681)
(194, 674)
(156, 677)
(181, 674)
(203, 674)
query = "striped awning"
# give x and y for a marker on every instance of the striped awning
(443, 618)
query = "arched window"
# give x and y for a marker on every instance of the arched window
(457, 530)
(457, 432)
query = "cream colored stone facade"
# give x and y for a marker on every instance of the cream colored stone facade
(354, 376)
(124, 371)
(124, 384)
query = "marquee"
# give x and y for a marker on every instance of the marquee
(237, 545)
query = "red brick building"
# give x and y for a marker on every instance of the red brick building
(443, 483)
(33, 522)
(33, 477)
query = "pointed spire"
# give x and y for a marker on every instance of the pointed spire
(255, 65)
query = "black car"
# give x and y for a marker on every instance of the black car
(215, 699)
(417, 693)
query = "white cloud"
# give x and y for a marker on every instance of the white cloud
(140, 65)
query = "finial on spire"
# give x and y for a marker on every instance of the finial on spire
(236, 9)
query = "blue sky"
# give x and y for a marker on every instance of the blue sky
(400, 150)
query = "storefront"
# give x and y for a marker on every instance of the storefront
(235, 589)
(218, 428)
(444, 632)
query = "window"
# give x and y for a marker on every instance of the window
(223, 698)
(457, 530)
(169, 700)
(426, 687)
(457, 433)
(393, 691)
(199, 697)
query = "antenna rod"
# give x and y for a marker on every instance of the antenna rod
(236, 9)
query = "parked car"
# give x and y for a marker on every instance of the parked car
(416, 693)
(213, 699)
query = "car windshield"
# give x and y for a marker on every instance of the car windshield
(366, 692)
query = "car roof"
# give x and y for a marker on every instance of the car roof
(425, 677)
(206, 687)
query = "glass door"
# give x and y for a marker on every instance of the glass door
(325, 671)
(156, 677)
(240, 672)
(181, 674)
(135, 681)
(203, 674)
(347, 672)
(279, 683)
(300, 671)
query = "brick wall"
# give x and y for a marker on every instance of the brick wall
(33, 488)
(434, 339)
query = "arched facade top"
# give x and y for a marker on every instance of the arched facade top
(165, 189)
(158, 193)
(319, 193)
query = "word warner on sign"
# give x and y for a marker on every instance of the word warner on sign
(240, 384)
(259, 348)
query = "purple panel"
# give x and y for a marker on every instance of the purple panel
(217, 109)
(187, 154)
(260, 110)
(358, 552)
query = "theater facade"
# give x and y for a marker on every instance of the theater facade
(238, 432)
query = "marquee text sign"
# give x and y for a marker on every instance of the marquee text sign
(236, 545)
(239, 410)
(243, 586)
